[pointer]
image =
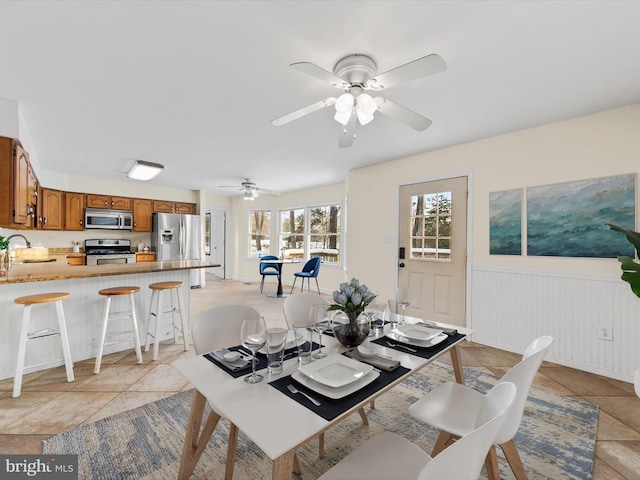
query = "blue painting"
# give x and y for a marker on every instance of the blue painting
(505, 222)
(568, 219)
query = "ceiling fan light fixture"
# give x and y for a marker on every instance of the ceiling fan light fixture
(249, 195)
(343, 117)
(142, 170)
(344, 108)
(365, 108)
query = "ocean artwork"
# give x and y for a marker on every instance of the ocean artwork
(568, 219)
(505, 222)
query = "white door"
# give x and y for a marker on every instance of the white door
(433, 242)
(216, 253)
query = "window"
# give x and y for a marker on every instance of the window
(324, 233)
(292, 230)
(260, 232)
(431, 226)
(310, 232)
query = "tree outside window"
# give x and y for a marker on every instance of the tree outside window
(292, 233)
(324, 233)
(431, 226)
(260, 232)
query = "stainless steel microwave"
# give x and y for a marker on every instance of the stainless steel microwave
(108, 219)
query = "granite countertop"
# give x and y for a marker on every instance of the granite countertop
(41, 272)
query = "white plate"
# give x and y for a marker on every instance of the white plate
(417, 332)
(418, 343)
(335, 393)
(335, 370)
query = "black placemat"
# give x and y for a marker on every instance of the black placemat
(330, 408)
(261, 359)
(424, 352)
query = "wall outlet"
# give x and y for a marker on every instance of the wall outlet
(605, 332)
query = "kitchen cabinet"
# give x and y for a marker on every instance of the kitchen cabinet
(107, 201)
(141, 215)
(16, 201)
(76, 259)
(51, 211)
(74, 211)
(163, 206)
(33, 189)
(145, 257)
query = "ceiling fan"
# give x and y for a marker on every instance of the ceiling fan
(355, 74)
(249, 189)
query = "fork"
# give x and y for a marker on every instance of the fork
(293, 389)
(402, 346)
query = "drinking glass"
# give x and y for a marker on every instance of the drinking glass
(371, 313)
(253, 335)
(276, 342)
(402, 300)
(320, 320)
(378, 314)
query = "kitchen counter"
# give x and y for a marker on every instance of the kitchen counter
(41, 272)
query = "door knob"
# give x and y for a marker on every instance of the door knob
(401, 264)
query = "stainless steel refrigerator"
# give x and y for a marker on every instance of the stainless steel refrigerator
(177, 236)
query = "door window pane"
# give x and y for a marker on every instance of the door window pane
(260, 229)
(431, 226)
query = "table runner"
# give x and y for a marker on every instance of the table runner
(424, 352)
(331, 408)
(261, 359)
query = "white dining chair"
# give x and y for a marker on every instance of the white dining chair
(450, 408)
(297, 306)
(636, 381)
(215, 328)
(391, 456)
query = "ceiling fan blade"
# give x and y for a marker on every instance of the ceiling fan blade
(289, 117)
(422, 67)
(402, 114)
(315, 71)
(347, 133)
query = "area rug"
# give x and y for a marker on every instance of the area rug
(556, 438)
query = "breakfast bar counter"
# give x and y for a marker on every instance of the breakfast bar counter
(83, 308)
(40, 272)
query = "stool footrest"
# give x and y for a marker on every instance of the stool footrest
(47, 332)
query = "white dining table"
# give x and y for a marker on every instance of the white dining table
(259, 410)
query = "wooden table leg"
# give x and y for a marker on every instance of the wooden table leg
(282, 466)
(231, 451)
(457, 364)
(196, 441)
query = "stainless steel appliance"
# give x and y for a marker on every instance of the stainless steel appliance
(178, 237)
(108, 219)
(104, 252)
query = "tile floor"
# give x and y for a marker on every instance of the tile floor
(49, 405)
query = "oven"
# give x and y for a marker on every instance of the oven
(107, 219)
(109, 251)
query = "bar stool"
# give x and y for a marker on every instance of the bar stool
(156, 294)
(108, 293)
(28, 301)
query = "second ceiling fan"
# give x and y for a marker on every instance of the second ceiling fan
(355, 74)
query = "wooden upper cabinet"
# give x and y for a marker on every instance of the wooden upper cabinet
(33, 189)
(108, 202)
(163, 206)
(52, 209)
(141, 215)
(74, 211)
(21, 194)
(189, 208)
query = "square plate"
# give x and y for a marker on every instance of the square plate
(335, 370)
(441, 337)
(417, 332)
(335, 393)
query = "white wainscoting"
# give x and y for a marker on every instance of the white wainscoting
(83, 313)
(511, 307)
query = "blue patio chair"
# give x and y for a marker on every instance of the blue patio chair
(268, 269)
(309, 271)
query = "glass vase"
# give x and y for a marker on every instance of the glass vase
(350, 328)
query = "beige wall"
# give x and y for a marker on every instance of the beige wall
(592, 146)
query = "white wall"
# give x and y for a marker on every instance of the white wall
(592, 146)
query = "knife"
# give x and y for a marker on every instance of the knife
(446, 331)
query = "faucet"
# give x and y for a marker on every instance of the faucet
(18, 235)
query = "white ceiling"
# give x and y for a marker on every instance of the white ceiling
(194, 85)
